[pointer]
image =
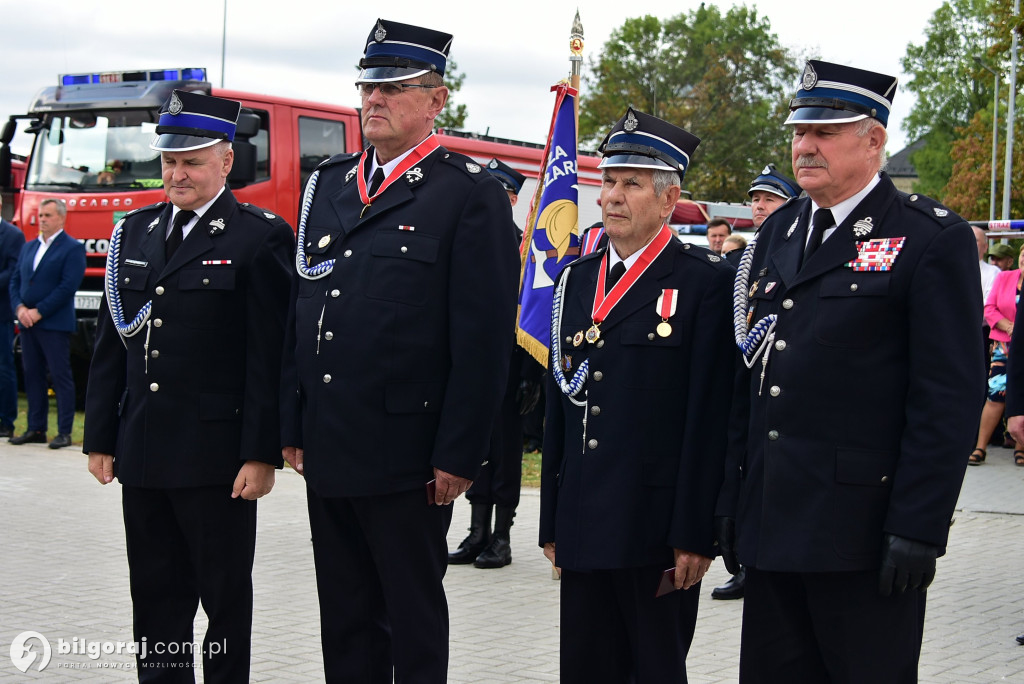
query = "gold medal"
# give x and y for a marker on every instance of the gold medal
(593, 334)
(664, 329)
(577, 339)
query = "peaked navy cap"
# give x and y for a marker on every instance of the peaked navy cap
(395, 52)
(834, 93)
(643, 141)
(774, 182)
(509, 177)
(191, 121)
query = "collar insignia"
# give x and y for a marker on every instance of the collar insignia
(351, 172)
(792, 227)
(413, 175)
(151, 226)
(216, 226)
(863, 227)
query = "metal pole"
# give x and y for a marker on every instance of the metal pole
(223, 43)
(995, 139)
(1011, 98)
(576, 63)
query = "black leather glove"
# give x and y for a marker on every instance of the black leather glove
(527, 395)
(725, 534)
(906, 564)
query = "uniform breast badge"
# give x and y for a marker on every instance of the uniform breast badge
(593, 334)
(577, 339)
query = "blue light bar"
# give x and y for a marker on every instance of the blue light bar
(186, 74)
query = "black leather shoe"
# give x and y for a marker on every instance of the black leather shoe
(1020, 639)
(60, 441)
(733, 589)
(6, 430)
(29, 436)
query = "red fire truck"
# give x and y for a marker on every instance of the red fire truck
(91, 136)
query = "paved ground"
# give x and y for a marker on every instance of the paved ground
(65, 576)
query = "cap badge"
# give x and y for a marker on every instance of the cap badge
(175, 106)
(631, 123)
(941, 213)
(473, 168)
(414, 175)
(493, 164)
(767, 171)
(380, 33)
(863, 227)
(810, 77)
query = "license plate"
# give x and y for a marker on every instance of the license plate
(88, 301)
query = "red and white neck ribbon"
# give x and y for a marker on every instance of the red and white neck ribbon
(604, 304)
(415, 157)
(667, 304)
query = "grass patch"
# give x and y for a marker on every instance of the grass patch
(77, 428)
(531, 470)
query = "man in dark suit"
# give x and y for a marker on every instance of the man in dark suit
(861, 331)
(42, 294)
(769, 191)
(497, 486)
(11, 242)
(182, 404)
(402, 334)
(637, 419)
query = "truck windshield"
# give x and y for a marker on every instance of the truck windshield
(96, 150)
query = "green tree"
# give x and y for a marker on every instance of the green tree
(723, 77)
(453, 116)
(950, 84)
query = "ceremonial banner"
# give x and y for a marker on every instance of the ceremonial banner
(551, 239)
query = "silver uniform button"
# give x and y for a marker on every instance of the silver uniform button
(155, 353)
(885, 478)
(335, 293)
(426, 404)
(853, 287)
(780, 344)
(598, 375)
(775, 391)
(773, 435)
(348, 253)
(913, 198)
(568, 339)
(650, 336)
(327, 377)
(787, 303)
(157, 322)
(159, 289)
(206, 281)
(328, 335)
(592, 444)
(600, 343)
(595, 410)
(404, 249)
(154, 387)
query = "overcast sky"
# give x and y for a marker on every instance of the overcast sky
(511, 53)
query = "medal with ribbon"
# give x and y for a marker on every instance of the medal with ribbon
(412, 159)
(603, 304)
(666, 308)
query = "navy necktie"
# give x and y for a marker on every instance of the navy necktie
(821, 222)
(177, 235)
(613, 276)
(377, 180)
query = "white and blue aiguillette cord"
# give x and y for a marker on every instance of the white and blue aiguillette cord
(569, 387)
(755, 341)
(301, 263)
(114, 296)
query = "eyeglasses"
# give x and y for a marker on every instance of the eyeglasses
(388, 90)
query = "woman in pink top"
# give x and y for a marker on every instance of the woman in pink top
(1000, 311)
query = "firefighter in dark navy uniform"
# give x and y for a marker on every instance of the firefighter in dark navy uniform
(403, 326)
(496, 488)
(858, 316)
(183, 400)
(637, 418)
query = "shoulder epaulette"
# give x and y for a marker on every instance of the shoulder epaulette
(934, 210)
(261, 212)
(466, 164)
(148, 207)
(339, 158)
